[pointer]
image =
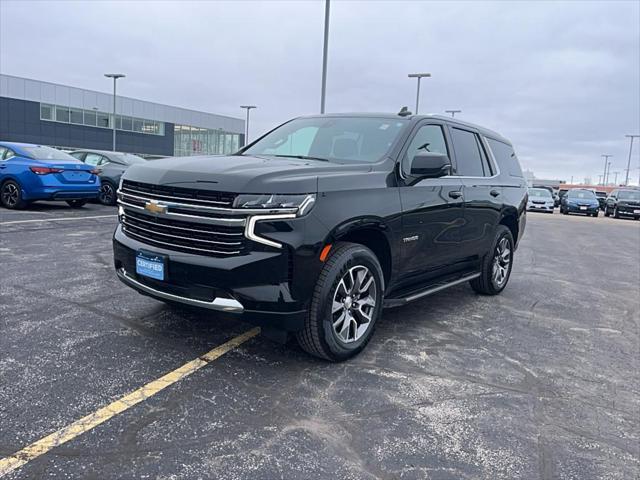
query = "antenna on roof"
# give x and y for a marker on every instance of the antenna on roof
(404, 112)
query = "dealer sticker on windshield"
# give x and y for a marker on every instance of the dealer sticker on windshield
(150, 265)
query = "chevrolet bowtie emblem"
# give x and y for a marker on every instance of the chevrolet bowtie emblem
(155, 207)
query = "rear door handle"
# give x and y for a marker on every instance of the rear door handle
(494, 193)
(455, 194)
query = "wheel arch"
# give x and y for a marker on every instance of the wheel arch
(509, 219)
(374, 234)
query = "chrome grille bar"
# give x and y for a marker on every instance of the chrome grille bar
(128, 224)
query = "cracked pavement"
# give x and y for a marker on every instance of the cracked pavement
(542, 381)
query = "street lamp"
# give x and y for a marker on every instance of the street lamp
(631, 137)
(418, 76)
(453, 112)
(246, 127)
(115, 77)
(604, 177)
(325, 52)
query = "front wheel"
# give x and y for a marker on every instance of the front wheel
(606, 211)
(615, 213)
(11, 195)
(346, 303)
(496, 265)
(76, 203)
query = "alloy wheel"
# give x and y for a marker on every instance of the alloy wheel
(354, 302)
(10, 195)
(106, 194)
(501, 263)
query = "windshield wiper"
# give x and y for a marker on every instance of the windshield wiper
(303, 157)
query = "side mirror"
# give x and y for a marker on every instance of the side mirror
(430, 165)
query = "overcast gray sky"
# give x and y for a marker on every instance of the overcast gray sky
(560, 79)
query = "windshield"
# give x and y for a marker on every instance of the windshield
(539, 193)
(629, 195)
(339, 139)
(47, 154)
(128, 158)
(582, 194)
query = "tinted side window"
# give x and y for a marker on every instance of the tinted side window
(429, 138)
(92, 159)
(506, 157)
(468, 153)
(77, 155)
(2, 152)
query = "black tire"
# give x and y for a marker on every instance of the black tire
(76, 203)
(615, 213)
(319, 337)
(485, 283)
(11, 195)
(595, 215)
(107, 195)
(606, 212)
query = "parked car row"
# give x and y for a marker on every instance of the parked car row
(29, 173)
(624, 202)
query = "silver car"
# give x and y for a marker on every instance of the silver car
(540, 200)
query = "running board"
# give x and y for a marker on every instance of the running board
(438, 287)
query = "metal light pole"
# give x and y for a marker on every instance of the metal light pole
(606, 159)
(324, 56)
(631, 137)
(246, 127)
(453, 112)
(115, 77)
(615, 179)
(418, 76)
(608, 173)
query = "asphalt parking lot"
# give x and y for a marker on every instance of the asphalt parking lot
(542, 381)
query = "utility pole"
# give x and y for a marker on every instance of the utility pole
(615, 181)
(599, 179)
(604, 176)
(631, 137)
(246, 127)
(324, 56)
(418, 76)
(606, 181)
(453, 112)
(115, 77)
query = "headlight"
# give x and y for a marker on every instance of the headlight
(301, 202)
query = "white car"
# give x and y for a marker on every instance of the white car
(540, 200)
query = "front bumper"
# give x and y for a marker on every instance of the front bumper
(266, 288)
(533, 207)
(629, 210)
(578, 209)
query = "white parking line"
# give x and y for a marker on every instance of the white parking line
(55, 219)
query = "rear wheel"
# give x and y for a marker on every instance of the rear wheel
(11, 195)
(606, 211)
(107, 194)
(496, 265)
(76, 203)
(346, 303)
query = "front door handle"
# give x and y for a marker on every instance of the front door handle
(494, 193)
(455, 194)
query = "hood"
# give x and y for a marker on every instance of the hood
(240, 174)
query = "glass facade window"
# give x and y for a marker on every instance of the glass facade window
(94, 118)
(90, 118)
(190, 140)
(46, 111)
(76, 116)
(62, 114)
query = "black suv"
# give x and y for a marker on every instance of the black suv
(623, 202)
(319, 224)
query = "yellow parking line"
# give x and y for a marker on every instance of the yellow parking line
(61, 219)
(42, 446)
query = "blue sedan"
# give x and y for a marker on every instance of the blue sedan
(35, 172)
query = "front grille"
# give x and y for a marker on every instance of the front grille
(176, 194)
(189, 237)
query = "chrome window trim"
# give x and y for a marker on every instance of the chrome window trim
(249, 230)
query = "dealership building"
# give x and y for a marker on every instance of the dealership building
(45, 113)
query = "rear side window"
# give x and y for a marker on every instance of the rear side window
(470, 158)
(506, 157)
